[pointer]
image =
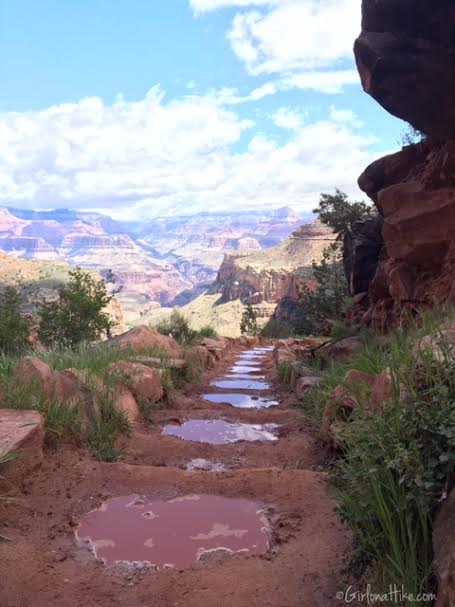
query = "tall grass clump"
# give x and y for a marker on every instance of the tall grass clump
(275, 329)
(398, 460)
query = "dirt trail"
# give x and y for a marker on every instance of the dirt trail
(43, 566)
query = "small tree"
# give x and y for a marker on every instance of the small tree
(14, 328)
(78, 314)
(177, 327)
(339, 213)
(249, 325)
(329, 298)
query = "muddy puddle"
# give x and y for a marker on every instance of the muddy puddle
(220, 432)
(245, 369)
(251, 356)
(248, 363)
(241, 401)
(175, 533)
(240, 384)
(233, 375)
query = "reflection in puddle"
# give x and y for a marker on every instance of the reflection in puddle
(245, 369)
(205, 464)
(241, 384)
(220, 432)
(174, 533)
(248, 363)
(243, 376)
(242, 401)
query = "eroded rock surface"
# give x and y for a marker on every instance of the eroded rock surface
(405, 56)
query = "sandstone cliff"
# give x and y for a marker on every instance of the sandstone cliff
(406, 60)
(267, 275)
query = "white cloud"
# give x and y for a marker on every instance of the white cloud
(296, 35)
(135, 159)
(203, 6)
(288, 118)
(348, 116)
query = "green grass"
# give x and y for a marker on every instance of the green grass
(65, 422)
(6, 457)
(284, 371)
(396, 461)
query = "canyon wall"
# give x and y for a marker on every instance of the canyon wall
(406, 59)
(270, 275)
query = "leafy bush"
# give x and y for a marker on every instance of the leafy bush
(248, 324)
(14, 328)
(276, 329)
(329, 299)
(207, 331)
(79, 313)
(397, 461)
(177, 327)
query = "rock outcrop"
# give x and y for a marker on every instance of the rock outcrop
(405, 56)
(144, 338)
(362, 247)
(266, 276)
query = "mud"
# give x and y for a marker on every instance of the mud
(44, 565)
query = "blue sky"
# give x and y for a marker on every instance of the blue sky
(147, 107)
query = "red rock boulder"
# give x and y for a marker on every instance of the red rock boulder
(22, 434)
(144, 382)
(144, 338)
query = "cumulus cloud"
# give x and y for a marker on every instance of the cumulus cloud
(136, 159)
(288, 118)
(305, 44)
(295, 35)
(204, 6)
(343, 115)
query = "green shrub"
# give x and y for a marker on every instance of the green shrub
(339, 213)
(248, 324)
(330, 298)
(79, 313)
(177, 327)
(275, 329)
(14, 328)
(207, 331)
(397, 460)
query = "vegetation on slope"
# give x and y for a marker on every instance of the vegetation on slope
(397, 461)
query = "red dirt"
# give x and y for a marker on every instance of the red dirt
(43, 566)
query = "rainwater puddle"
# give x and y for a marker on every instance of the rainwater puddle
(245, 369)
(248, 363)
(205, 464)
(251, 356)
(174, 533)
(240, 384)
(220, 432)
(241, 401)
(243, 376)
